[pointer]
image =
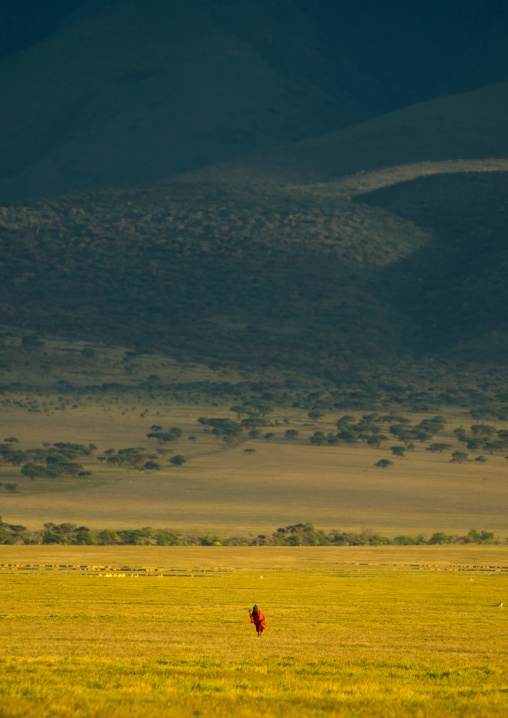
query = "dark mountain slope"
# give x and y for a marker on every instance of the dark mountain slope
(387, 55)
(145, 93)
(489, 64)
(285, 279)
(23, 23)
(456, 286)
(111, 92)
(282, 277)
(466, 126)
(407, 53)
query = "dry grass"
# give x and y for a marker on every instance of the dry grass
(227, 490)
(349, 631)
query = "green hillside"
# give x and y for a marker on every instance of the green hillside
(243, 275)
(290, 278)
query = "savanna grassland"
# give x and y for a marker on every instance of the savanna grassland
(93, 631)
(285, 465)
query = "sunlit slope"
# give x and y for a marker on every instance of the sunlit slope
(467, 126)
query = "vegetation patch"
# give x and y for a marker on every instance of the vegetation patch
(302, 534)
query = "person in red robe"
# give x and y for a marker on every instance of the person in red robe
(257, 617)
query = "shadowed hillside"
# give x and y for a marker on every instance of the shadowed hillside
(467, 126)
(242, 274)
(291, 278)
(455, 287)
(150, 90)
(145, 94)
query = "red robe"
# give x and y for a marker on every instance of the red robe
(259, 620)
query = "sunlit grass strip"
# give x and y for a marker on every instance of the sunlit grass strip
(250, 687)
(368, 640)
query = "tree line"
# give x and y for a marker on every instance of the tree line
(300, 534)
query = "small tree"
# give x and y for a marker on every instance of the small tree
(397, 450)
(291, 434)
(481, 459)
(177, 460)
(109, 538)
(33, 470)
(259, 406)
(314, 414)
(376, 439)
(163, 437)
(440, 537)
(492, 446)
(460, 457)
(346, 420)
(483, 430)
(383, 463)
(475, 444)
(475, 536)
(84, 536)
(438, 447)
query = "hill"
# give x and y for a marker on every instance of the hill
(466, 126)
(240, 275)
(455, 286)
(144, 95)
(294, 278)
(150, 91)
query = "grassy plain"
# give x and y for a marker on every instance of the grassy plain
(226, 489)
(366, 632)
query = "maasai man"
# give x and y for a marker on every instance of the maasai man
(257, 617)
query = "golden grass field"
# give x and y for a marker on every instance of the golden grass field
(224, 489)
(411, 631)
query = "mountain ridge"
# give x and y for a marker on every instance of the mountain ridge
(146, 94)
(142, 97)
(468, 126)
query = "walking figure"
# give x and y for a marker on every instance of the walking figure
(257, 617)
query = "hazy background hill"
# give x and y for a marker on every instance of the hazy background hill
(144, 94)
(118, 93)
(465, 126)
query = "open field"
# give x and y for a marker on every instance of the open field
(366, 632)
(222, 488)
